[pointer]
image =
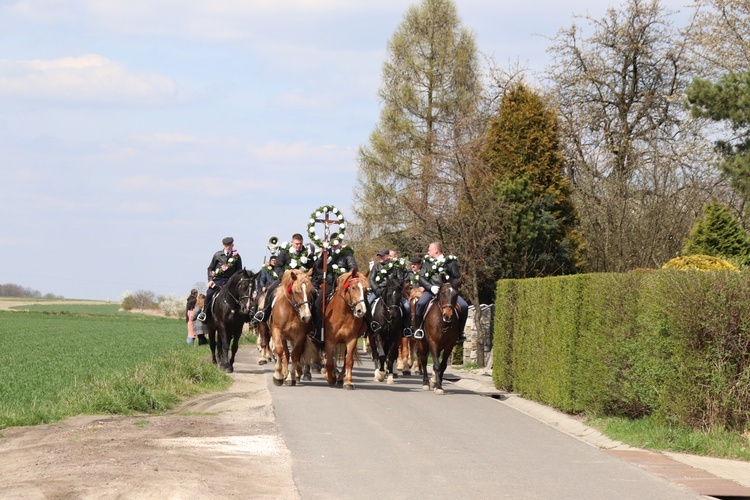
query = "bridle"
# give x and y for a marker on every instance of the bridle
(238, 300)
(449, 306)
(297, 305)
(346, 294)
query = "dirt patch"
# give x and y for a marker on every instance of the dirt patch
(220, 445)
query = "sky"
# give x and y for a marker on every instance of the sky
(136, 134)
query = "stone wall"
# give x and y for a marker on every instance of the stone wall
(471, 331)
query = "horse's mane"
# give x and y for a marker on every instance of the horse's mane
(360, 276)
(287, 280)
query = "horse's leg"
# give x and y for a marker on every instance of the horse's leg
(292, 377)
(391, 358)
(212, 343)
(422, 353)
(379, 351)
(330, 347)
(349, 363)
(278, 345)
(437, 362)
(235, 346)
(262, 329)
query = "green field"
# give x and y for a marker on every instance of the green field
(66, 361)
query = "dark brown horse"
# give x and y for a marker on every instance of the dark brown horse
(344, 324)
(388, 315)
(290, 321)
(441, 326)
(229, 312)
(407, 356)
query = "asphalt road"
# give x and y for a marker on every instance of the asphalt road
(398, 441)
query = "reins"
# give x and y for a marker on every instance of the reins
(237, 300)
(295, 305)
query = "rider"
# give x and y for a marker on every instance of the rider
(412, 277)
(437, 269)
(223, 265)
(340, 260)
(378, 279)
(292, 256)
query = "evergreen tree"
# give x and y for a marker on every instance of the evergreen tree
(526, 171)
(718, 233)
(408, 175)
(728, 100)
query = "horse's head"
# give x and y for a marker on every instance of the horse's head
(241, 287)
(447, 299)
(394, 289)
(298, 289)
(351, 286)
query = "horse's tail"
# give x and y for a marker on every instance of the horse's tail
(310, 354)
(339, 353)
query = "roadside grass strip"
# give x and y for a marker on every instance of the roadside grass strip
(53, 366)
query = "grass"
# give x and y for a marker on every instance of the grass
(72, 308)
(650, 434)
(56, 365)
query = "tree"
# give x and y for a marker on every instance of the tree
(408, 173)
(719, 36)
(718, 233)
(728, 100)
(640, 167)
(523, 154)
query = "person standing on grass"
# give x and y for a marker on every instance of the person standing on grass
(199, 327)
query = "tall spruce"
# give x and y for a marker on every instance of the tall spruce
(408, 174)
(718, 233)
(526, 168)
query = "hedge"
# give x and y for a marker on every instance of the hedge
(673, 344)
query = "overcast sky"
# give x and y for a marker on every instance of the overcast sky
(136, 134)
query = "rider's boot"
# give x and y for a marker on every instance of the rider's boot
(418, 331)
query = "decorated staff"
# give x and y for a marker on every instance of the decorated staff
(327, 215)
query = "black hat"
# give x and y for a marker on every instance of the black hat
(227, 241)
(383, 251)
(416, 260)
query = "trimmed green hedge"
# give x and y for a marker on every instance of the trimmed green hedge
(674, 344)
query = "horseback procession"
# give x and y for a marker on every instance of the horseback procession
(307, 301)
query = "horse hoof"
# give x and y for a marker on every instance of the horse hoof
(289, 382)
(407, 373)
(278, 382)
(306, 376)
(230, 369)
(439, 392)
(349, 386)
(395, 375)
(390, 380)
(425, 387)
(262, 362)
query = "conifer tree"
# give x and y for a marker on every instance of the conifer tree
(718, 233)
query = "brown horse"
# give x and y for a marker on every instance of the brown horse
(441, 326)
(264, 335)
(407, 356)
(344, 323)
(290, 321)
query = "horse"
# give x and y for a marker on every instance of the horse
(264, 334)
(407, 356)
(441, 326)
(388, 315)
(344, 323)
(291, 313)
(229, 312)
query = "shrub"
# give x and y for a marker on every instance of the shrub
(700, 263)
(172, 306)
(142, 299)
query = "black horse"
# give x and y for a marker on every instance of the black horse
(387, 327)
(229, 312)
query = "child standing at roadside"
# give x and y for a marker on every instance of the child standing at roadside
(199, 327)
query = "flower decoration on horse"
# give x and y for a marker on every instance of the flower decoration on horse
(437, 266)
(222, 269)
(322, 214)
(390, 266)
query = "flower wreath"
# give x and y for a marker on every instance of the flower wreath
(336, 268)
(271, 271)
(223, 268)
(388, 267)
(437, 266)
(317, 214)
(304, 262)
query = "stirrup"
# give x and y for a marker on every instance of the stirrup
(201, 316)
(259, 316)
(375, 326)
(419, 333)
(407, 332)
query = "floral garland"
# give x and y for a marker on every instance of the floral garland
(305, 259)
(388, 267)
(437, 266)
(336, 268)
(317, 214)
(271, 271)
(223, 268)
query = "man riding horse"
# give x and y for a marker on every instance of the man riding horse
(340, 260)
(436, 269)
(223, 265)
(292, 256)
(378, 279)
